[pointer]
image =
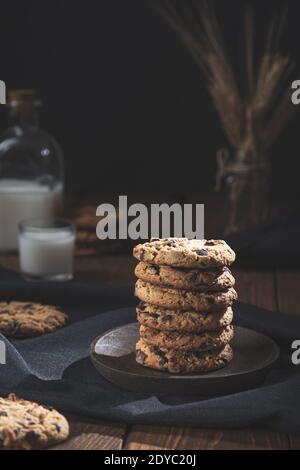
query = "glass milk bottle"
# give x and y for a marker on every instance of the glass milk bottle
(31, 170)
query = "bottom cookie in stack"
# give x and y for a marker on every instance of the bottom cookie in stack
(177, 361)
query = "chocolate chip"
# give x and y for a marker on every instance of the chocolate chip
(166, 319)
(199, 354)
(50, 408)
(152, 315)
(158, 352)
(31, 437)
(171, 243)
(194, 277)
(154, 240)
(162, 357)
(210, 243)
(155, 268)
(57, 427)
(141, 355)
(14, 327)
(3, 413)
(142, 255)
(202, 252)
(163, 360)
(27, 306)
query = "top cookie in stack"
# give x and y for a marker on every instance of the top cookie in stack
(186, 292)
(184, 253)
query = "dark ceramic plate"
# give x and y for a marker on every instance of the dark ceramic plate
(112, 354)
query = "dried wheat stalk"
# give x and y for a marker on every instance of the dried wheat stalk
(251, 120)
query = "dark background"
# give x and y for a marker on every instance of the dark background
(123, 97)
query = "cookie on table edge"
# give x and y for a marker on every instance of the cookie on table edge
(27, 319)
(182, 362)
(26, 425)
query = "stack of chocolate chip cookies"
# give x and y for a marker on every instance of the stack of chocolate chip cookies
(186, 293)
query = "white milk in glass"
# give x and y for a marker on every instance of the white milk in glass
(21, 200)
(47, 254)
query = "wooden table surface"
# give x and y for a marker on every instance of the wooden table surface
(273, 290)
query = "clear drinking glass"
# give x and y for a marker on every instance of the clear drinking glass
(47, 249)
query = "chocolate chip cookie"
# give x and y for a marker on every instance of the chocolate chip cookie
(182, 362)
(184, 253)
(86, 218)
(25, 425)
(184, 299)
(192, 279)
(26, 319)
(165, 319)
(183, 341)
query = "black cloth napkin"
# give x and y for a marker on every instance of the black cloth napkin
(271, 245)
(55, 369)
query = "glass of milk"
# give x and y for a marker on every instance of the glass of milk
(46, 248)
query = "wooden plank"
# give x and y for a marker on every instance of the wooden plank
(288, 282)
(107, 269)
(93, 436)
(294, 441)
(165, 438)
(256, 287)
(9, 262)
